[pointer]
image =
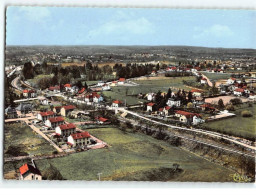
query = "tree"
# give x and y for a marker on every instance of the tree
(221, 104)
(189, 105)
(52, 173)
(190, 96)
(169, 93)
(246, 113)
(28, 70)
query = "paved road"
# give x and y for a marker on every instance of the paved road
(213, 134)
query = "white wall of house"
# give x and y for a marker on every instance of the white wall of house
(237, 93)
(149, 108)
(171, 103)
(115, 105)
(30, 176)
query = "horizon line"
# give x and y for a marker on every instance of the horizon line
(38, 45)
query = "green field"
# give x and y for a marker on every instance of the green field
(134, 157)
(22, 140)
(216, 76)
(145, 86)
(238, 125)
(38, 77)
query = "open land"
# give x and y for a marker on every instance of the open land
(131, 156)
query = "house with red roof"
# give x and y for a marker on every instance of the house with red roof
(196, 92)
(65, 110)
(81, 91)
(67, 87)
(203, 80)
(151, 107)
(97, 98)
(65, 130)
(79, 139)
(106, 87)
(231, 81)
(29, 172)
(116, 104)
(239, 92)
(28, 93)
(54, 122)
(161, 111)
(153, 73)
(167, 110)
(43, 116)
(207, 107)
(188, 117)
(121, 81)
(55, 88)
(102, 120)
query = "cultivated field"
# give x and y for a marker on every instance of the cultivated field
(225, 99)
(20, 140)
(215, 76)
(238, 125)
(135, 157)
(146, 86)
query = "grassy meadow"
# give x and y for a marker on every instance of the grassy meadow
(22, 140)
(238, 125)
(135, 157)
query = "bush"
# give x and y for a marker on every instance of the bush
(236, 101)
(246, 113)
(230, 107)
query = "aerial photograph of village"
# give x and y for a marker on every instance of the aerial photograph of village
(128, 94)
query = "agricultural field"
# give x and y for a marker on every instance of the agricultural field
(134, 156)
(146, 86)
(20, 140)
(238, 125)
(216, 76)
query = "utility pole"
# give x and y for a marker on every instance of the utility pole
(99, 175)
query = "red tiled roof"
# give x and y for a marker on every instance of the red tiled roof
(195, 90)
(150, 104)
(102, 119)
(48, 113)
(96, 95)
(122, 79)
(26, 167)
(67, 126)
(80, 135)
(204, 79)
(161, 109)
(173, 68)
(233, 79)
(239, 90)
(69, 107)
(56, 119)
(82, 90)
(58, 107)
(69, 143)
(117, 102)
(167, 107)
(67, 85)
(53, 88)
(187, 114)
(114, 81)
(25, 91)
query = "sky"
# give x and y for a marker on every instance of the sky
(122, 26)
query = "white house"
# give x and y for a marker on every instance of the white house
(252, 96)
(101, 83)
(196, 93)
(231, 81)
(173, 102)
(188, 117)
(29, 172)
(150, 96)
(54, 122)
(238, 92)
(121, 81)
(116, 104)
(65, 130)
(203, 81)
(106, 87)
(167, 110)
(67, 87)
(97, 98)
(43, 116)
(150, 106)
(79, 139)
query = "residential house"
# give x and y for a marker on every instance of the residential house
(188, 117)
(207, 107)
(74, 89)
(65, 130)
(106, 87)
(97, 98)
(29, 93)
(57, 109)
(252, 96)
(161, 112)
(239, 92)
(54, 88)
(78, 113)
(79, 139)
(153, 73)
(101, 83)
(196, 93)
(151, 96)
(102, 120)
(116, 104)
(10, 112)
(231, 81)
(29, 172)
(65, 110)
(173, 102)
(167, 110)
(121, 81)
(67, 87)
(81, 91)
(113, 84)
(43, 116)
(54, 122)
(151, 107)
(203, 81)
